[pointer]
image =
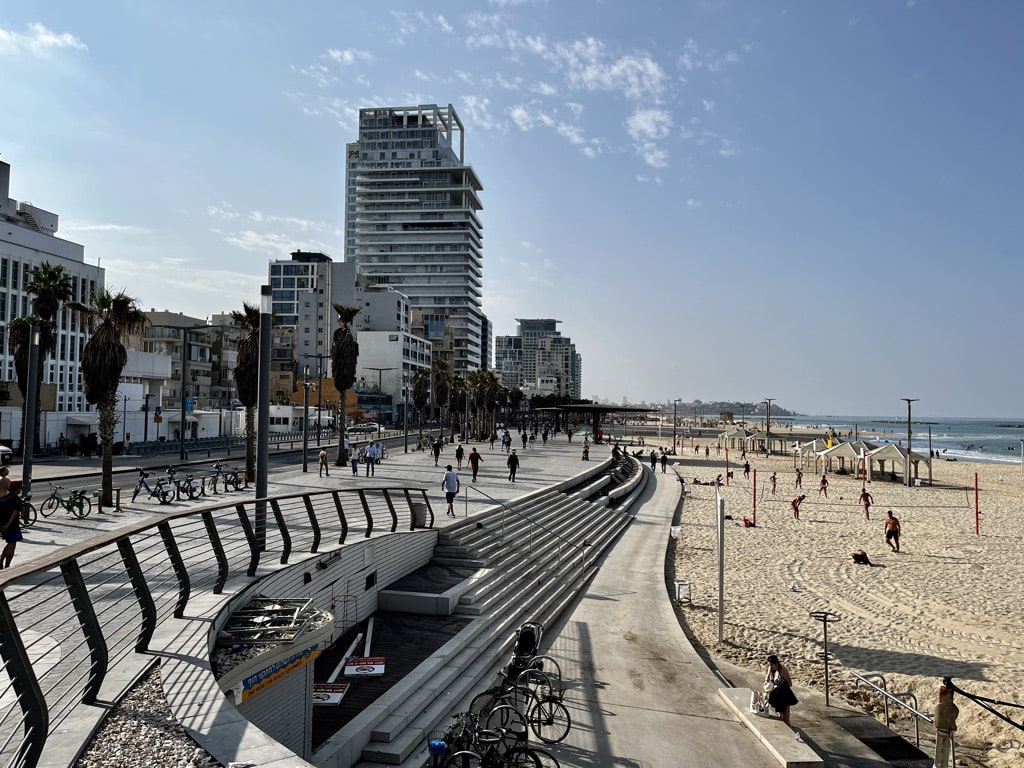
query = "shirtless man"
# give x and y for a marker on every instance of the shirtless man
(892, 531)
(867, 501)
(795, 506)
(799, 478)
(823, 486)
(774, 480)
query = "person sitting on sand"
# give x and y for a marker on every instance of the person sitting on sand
(860, 557)
(795, 506)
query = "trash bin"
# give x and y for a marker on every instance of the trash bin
(419, 514)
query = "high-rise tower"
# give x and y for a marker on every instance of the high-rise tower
(412, 222)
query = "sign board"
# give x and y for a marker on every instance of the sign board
(364, 666)
(325, 694)
(158, 419)
(190, 404)
(156, 411)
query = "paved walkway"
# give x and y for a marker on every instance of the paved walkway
(643, 695)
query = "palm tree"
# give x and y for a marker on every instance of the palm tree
(421, 394)
(344, 354)
(247, 376)
(441, 385)
(111, 318)
(515, 399)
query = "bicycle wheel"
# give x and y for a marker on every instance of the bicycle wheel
(49, 506)
(86, 505)
(547, 760)
(509, 723)
(189, 489)
(464, 759)
(522, 756)
(28, 514)
(77, 505)
(484, 702)
(135, 493)
(165, 495)
(550, 720)
(384, 454)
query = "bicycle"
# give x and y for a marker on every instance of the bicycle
(29, 515)
(534, 693)
(232, 478)
(77, 502)
(160, 491)
(187, 487)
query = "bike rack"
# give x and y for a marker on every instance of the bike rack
(825, 617)
(99, 501)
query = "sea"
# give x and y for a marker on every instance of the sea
(994, 441)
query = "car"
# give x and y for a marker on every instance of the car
(6, 455)
(366, 426)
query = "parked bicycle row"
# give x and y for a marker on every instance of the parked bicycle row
(496, 729)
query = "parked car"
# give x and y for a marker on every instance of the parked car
(366, 426)
(6, 455)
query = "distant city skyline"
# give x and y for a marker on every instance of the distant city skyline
(814, 201)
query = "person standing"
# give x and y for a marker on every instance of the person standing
(795, 506)
(10, 527)
(474, 462)
(5, 482)
(654, 461)
(892, 531)
(781, 697)
(370, 457)
(664, 462)
(450, 486)
(867, 501)
(799, 479)
(746, 469)
(526, 438)
(513, 465)
(460, 453)
(323, 463)
(774, 479)
(354, 459)
(823, 486)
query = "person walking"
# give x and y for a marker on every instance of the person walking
(354, 459)
(746, 469)
(799, 479)
(370, 457)
(867, 501)
(323, 463)
(474, 462)
(654, 461)
(823, 486)
(513, 465)
(436, 448)
(892, 531)
(10, 527)
(526, 438)
(664, 462)
(450, 486)
(460, 453)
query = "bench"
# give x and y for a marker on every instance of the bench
(777, 737)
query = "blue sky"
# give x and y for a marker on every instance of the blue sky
(818, 202)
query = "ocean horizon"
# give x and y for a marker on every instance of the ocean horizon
(992, 441)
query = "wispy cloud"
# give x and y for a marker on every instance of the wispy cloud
(122, 229)
(478, 111)
(348, 55)
(262, 242)
(589, 66)
(38, 41)
(649, 124)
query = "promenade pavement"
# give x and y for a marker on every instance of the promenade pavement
(641, 695)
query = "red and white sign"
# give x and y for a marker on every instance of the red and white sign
(364, 666)
(329, 693)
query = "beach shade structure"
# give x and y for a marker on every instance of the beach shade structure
(735, 437)
(810, 449)
(897, 454)
(848, 451)
(756, 442)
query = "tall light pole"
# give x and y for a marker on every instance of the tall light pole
(263, 416)
(380, 376)
(906, 466)
(306, 384)
(674, 403)
(768, 427)
(319, 389)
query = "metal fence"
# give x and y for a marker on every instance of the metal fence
(67, 618)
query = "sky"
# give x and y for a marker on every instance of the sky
(816, 202)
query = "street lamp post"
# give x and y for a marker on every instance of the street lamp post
(768, 427)
(906, 467)
(306, 383)
(319, 389)
(263, 416)
(674, 403)
(380, 376)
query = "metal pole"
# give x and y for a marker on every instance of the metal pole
(184, 368)
(906, 467)
(263, 417)
(319, 397)
(305, 419)
(29, 413)
(674, 403)
(405, 411)
(768, 427)
(721, 561)
(145, 417)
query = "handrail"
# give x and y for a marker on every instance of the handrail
(918, 715)
(506, 508)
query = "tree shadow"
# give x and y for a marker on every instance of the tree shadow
(884, 662)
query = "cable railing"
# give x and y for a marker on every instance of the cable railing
(68, 617)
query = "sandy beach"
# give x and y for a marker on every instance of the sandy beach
(949, 604)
